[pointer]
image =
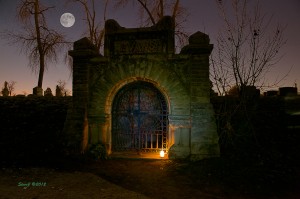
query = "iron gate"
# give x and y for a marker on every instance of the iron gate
(140, 118)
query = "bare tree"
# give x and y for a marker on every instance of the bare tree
(95, 28)
(8, 88)
(11, 87)
(61, 84)
(151, 12)
(247, 48)
(39, 42)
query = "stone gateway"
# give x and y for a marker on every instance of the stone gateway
(141, 96)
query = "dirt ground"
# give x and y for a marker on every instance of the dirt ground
(141, 178)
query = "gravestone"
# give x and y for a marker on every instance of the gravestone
(48, 92)
(37, 91)
(5, 91)
(58, 91)
(142, 96)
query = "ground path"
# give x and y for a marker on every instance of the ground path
(123, 178)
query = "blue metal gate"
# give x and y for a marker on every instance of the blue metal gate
(140, 118)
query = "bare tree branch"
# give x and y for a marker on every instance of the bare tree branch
(246, 49)
(95, 29)
(40, 43)
(145, 7)
(11, 87)
(152, 11)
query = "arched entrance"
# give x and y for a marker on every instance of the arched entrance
(139, 118)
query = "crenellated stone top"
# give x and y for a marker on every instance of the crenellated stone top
(112, 25)
(157, 39)
(83, 43)
(84, 48)
(198, 44)
(199, 38)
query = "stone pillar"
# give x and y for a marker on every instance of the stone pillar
(76, 126)
(98, 120)
(204, 138)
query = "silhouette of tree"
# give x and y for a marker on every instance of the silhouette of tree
(11, 87)
(39, 42)
(95, 29)
(247, 48)
(62, 86)
(233, 91)
(151, 12)
(8, 88)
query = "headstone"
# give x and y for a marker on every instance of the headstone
(58, 91)
(271, 93)
(37, 91)
(250, 92)
(48, 92)
(5, 91)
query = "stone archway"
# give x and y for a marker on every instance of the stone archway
(139, 118)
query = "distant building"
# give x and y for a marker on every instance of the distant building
(283, 92)
(271, 93)
(288, 91)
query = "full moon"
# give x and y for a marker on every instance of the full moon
(67, 20)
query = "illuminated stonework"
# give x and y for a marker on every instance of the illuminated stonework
(141, 95)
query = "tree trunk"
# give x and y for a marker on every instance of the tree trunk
(39, 43)
(41, 72)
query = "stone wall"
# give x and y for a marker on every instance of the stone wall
(31, 129)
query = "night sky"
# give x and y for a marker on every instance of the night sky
(203, 16)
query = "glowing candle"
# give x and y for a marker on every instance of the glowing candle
(162, 154)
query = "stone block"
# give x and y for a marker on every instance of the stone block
(179, 152)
